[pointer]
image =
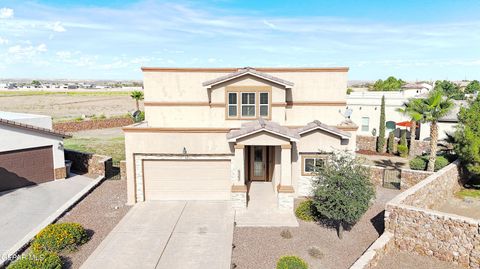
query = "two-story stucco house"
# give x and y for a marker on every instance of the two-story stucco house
(210, 132)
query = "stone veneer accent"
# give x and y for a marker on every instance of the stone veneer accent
(60, 173)
(305, 186)
(92, 164)
(412, 177)
(408, 177)
(421, 147)
(418, 228)
(75, 126)
(123, 170)
(375, 252)
(239, 200)
(364, 142)
(285, 200)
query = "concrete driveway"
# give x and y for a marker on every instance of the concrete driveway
(169, 234)
(27, 210)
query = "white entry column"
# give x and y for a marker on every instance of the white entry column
(285, 188)
(239, 189)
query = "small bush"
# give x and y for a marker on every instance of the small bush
(44, 260)
(291, 262)
(286, 234)
(402, 150)
(58, 237)
(421, 162)
(315, 252)
(305, 211)
(391, 143)
(418, 163)
(440, 162)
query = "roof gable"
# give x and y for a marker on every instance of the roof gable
(262, 125)
(317, 125)
(247, 71)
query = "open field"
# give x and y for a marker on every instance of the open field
(108, 142)
(65, 105)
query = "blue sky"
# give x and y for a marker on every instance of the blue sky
(112, 39)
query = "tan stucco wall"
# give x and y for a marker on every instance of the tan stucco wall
(175, 87)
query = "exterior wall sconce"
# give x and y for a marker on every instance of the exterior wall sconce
(184, 151)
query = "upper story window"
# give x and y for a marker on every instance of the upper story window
(365, 124)
(264, 104)
(248, 104)
(245, 104)
(232, 104)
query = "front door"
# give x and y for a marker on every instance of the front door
(258, 163)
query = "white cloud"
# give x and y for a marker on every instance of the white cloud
(57, 27)
(20, 51)
(269, 24)
(6, 13)
(3, 41)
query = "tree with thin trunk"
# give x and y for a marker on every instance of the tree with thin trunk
(137, 95)
(412, 109)
(381, 134)
(342, 191)
(432, 108)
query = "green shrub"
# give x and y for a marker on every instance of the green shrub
(291, 262)
(44, 260)
(421, 162)
(402, 150)
(391, 143)
(305, 211)
(58, 237)
(418, 163)
(440, 162)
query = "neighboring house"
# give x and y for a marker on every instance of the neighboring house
(365, 112)
(30, 151)
(209, 132)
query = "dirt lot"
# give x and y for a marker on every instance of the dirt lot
(260, 248)
(64, 106)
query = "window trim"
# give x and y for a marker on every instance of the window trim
(368, 126)
(229, 105)
(248, 89)
(267, 105)
(255, 105)
(311, 156)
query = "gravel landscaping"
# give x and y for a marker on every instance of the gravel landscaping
(99, 213)
(258, 248)
(397, 259)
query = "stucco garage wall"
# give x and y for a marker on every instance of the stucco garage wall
(17, 138)
(171, 143)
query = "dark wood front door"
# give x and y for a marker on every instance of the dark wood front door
(19, 168)
(258, 163)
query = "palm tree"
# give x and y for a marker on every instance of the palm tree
(432, 108)
(137, 95)
(412, 109)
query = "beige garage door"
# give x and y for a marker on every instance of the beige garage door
(187, 179)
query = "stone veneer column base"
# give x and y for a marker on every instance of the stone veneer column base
(285, 197)
(60, 173)
(239, 197)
